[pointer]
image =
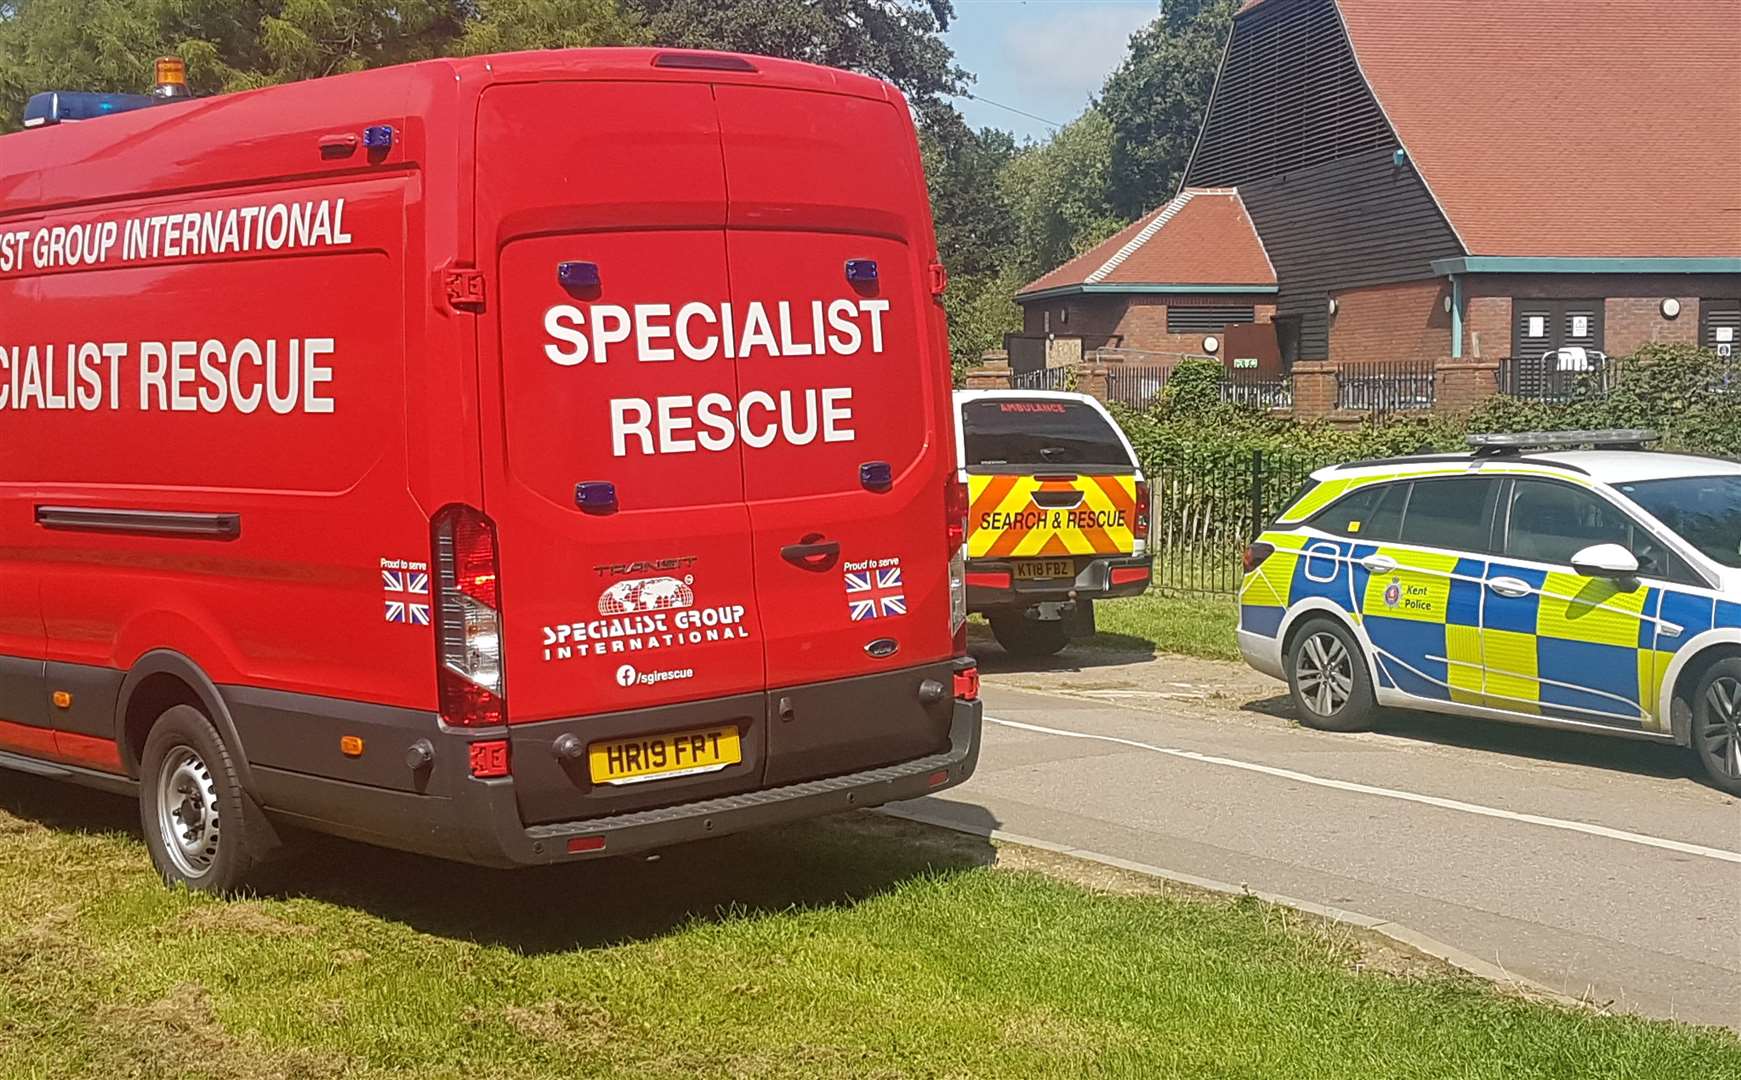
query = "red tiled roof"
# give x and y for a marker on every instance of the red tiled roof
(1202, 237)
(1564, 127)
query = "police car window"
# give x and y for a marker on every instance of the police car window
(1552, 522)
(1038, 431)
(1705, 511)
(1451, 513)
(1373, 512)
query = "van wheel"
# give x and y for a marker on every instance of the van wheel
(1717, 724)
(1328, 677)
(202, 829)
(1025, 637)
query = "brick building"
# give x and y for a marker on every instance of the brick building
(1169, 283)
(1446, 181)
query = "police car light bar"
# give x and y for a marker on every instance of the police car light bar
(1517, 442)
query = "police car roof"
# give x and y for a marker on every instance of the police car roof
(1603, 466)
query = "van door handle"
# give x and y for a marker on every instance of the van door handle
(1509, 586)
(812, 553)
(1379, 564)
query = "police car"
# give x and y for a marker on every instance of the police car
(1592, 589)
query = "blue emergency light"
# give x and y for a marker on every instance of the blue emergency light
(578, 275)
(861, 271)
(56, 106)
(378, 137)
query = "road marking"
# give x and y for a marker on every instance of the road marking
(1389, 793)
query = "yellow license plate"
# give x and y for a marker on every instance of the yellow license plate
(1045, 569)
(660, 757)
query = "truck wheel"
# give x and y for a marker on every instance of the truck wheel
(1717, 724)
(1025, 637)
(1328, 677)
(202, 829)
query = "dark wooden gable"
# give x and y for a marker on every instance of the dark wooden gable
(1294, 126)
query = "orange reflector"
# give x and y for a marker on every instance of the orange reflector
(580, 845)
(938, 778)
(489, 759)
(351, 745)
(1127, 575)
(63, 700)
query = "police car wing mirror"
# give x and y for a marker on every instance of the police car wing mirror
(1605, 561)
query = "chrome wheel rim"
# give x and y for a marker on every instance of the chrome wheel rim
(1325, 671)
(1720, 729)
(187, 812)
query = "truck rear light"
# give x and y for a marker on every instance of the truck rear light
(990, 579)
(1144, 509)
(468, 619)
(955, 532)
(1256, 554)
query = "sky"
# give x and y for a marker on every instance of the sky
(1045, 57)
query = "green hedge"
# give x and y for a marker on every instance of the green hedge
(1691, 396)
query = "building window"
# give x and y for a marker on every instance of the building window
(1205, 320)
(1720, 326)
(1544, 326)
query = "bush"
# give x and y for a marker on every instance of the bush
(1691, 396)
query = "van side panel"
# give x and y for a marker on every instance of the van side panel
(261, 399)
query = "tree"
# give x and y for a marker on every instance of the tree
(897, 40)
(1059, 196)
(1156, 100)
(108, 45)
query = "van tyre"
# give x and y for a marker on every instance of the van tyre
(202, 829)
(1328, 676)
(1028, 638)
(1717, 724)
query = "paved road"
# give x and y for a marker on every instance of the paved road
(1602, 868)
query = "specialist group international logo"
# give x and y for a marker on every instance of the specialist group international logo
(647, 594)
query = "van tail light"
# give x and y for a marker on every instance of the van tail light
(468, 619)
(1144, 509)
(955, 533)
(1256, 554)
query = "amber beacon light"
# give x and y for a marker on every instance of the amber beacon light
(171, 78)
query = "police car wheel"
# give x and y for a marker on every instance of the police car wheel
(1717, 724)
(201, 828)
(1025, 637)
(1327, 674)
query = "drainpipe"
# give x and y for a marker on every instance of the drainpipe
(1456, 317)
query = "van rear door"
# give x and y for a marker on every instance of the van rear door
(643, 598)
(847, 504)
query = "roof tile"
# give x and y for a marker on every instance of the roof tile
(1563, 127)
(1202, 237)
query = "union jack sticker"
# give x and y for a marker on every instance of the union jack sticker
(875, 594)
(406, 593)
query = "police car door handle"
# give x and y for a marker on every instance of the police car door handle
(812, 553)
(1509, 586)
(1379, 564)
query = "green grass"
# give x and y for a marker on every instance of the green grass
(853, 948)
(1184, 625)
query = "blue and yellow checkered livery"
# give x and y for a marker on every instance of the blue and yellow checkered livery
(1554, 645)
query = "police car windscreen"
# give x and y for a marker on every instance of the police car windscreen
(1037, 431)
(1704, 510)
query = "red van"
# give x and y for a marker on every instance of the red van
(517, 459)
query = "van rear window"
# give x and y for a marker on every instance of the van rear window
(1039, 431)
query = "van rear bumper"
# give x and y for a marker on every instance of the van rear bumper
(478, 821)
